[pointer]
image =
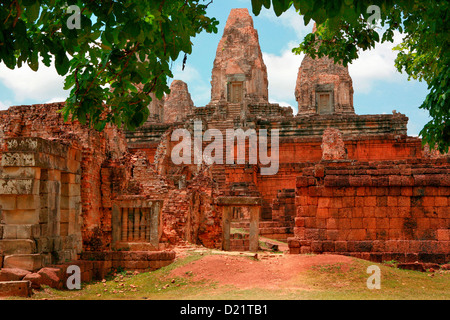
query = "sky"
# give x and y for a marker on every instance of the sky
(379, 87)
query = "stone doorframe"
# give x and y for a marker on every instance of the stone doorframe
(227, 204)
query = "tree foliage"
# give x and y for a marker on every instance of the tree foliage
(125, 42)
(120, 43)
(343, 32)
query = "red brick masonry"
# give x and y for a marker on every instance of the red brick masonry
(380, 211)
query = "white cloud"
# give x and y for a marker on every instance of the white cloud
(376, 65)
(4, 105)
(57, 99)
(282, 73)
(289, 19)
(188, 74)
(41, 86)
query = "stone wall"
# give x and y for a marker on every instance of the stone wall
(45, 122)
(40, 203)
(382, 211)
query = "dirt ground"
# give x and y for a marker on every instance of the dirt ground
(269, 271)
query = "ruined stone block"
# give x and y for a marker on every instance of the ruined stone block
(20, 217)
(30, 262)
(15, 288)
(9, 232)
(10, 247)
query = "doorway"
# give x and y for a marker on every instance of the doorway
(236, 92)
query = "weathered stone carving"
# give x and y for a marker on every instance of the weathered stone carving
(333, 146)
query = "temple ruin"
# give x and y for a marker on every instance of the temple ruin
(349, 184)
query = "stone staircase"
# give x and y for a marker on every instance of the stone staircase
(234, 110)
(222, 125)
(233, 113)
(276, 230)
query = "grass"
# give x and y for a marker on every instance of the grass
(333, 282)
(324, 282)
(151, 285)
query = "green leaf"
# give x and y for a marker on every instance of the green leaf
(257, 6)
(280, 6)
(32, 11)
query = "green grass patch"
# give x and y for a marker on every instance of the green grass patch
(336, 282)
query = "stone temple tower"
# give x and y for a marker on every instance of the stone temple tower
(239, 75)
(323, 87)
(178, 104)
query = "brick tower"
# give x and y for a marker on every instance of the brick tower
(239, 75)
(323, 87)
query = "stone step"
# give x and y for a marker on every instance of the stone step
(10, 247)
(278, 236)
(29, 262)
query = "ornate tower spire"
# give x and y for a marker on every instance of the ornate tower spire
(178, 104)
(323, 87)
(239, 73)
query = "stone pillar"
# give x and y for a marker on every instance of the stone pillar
(254, 228)
(118, 230)
(154, 225)
(124, 224)
(137, 222)
(226, 225)
(143, 224)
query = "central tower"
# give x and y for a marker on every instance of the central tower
(239, 75)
